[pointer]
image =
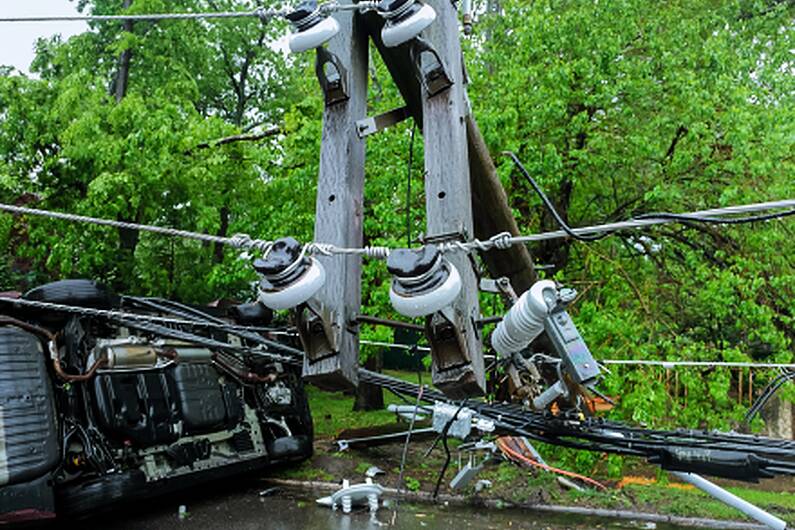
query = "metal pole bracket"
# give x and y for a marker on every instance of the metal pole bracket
(332, 76)
(433, 76)
(316, 331)
(369, 126)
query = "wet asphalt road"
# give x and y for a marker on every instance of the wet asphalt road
(222, 507)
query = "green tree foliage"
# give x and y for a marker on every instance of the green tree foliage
(618, 108)
(151, 157)
(629, 107)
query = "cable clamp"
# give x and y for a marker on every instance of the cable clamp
(502, 241)
(247, 242)
(325, 249)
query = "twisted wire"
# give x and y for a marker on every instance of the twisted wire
(261, 13)
(238, 240)
(501, 241)
(113, 314)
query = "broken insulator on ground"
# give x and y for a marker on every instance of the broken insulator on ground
(525, 320)
(312, 28)
(423, 281)
(405, 19)
(350, 496)
(289, 276)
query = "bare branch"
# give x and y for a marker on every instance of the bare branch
(236, 138)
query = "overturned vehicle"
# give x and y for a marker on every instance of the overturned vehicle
(107, 398)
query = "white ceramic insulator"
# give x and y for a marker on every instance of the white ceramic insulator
(347, 504)
(313, 37)
(297, 293)
(430, 302)
(396, 34)
(523, 322)
(372, 501)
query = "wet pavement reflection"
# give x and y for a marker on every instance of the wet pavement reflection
(247, 510)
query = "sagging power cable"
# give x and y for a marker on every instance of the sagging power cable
(109, 313)
(500, 241)
(241, 241)
(588, 235)
(548, 204)
(668, 365)
(701, 451)
(260, 13)
(769, 391)
(158, 325)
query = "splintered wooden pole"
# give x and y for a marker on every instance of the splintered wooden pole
(493, 215)
(492, 212)
(448, 202)
(340, 197)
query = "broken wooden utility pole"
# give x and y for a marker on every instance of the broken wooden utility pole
(455, 346)
(332, 357)
(491, 210)
(460, 175)
(493, 215)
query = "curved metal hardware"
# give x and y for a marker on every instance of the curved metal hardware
(333, 80)
(433, 77)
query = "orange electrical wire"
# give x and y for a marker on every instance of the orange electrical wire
(502, 443)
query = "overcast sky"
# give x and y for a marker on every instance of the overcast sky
(17, 39)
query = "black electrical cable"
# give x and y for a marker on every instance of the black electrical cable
(191, 313)
(769, 391)
(773, 456)
(551, 207)
(758, 403)
(447, 456)
(687, 218)
(682, 218)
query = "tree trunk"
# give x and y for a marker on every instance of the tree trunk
(123, 75)
(128, 239)
(370, 397)
(218, 251)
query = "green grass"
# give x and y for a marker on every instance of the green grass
(412, 484)
(685, 502)
(362, 467)
(333, 412)
(306, 471)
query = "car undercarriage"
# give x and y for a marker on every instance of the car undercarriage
(95, 411)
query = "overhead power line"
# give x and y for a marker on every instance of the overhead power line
(261, 13)
(498, 241)
(238, 241)
(702, 364)
(714, 215)
(109, 313)
(631, 362)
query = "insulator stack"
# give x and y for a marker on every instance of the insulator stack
(525, 320)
